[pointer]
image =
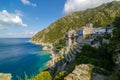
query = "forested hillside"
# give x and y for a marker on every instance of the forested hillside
(100, 16)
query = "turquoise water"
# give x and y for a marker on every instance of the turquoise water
(20, 57)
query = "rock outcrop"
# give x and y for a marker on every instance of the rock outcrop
(85, 72)
(5, 76)
(81, 72)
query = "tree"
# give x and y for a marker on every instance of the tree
(115, 40)
(116, 22)
(114, 48)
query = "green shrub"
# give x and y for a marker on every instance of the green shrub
(60, 75)
(43, 76)
(116, 74)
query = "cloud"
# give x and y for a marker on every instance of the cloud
(28, 32)
(78, 5)
(18, 13)
(21, 34)
(27, 2)
(9, 19)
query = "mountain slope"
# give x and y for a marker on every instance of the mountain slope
(100, 16)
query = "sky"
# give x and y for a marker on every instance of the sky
(24, 18)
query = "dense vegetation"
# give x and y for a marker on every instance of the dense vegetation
(100, 16)
(43, 76)
(114, 49)
(115, 40)
(59, 44)
(96, 56)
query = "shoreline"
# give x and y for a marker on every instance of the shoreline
(46, 46)
(11, 76)
(39, 43)
(49, 50)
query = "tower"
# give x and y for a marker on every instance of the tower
(87, 30)
(71, 38)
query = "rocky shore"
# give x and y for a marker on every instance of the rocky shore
(46, 46)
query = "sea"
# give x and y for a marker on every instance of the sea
(20, 57)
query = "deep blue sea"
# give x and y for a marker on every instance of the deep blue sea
(20, 57)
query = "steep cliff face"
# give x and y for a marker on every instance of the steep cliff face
(100, 17)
